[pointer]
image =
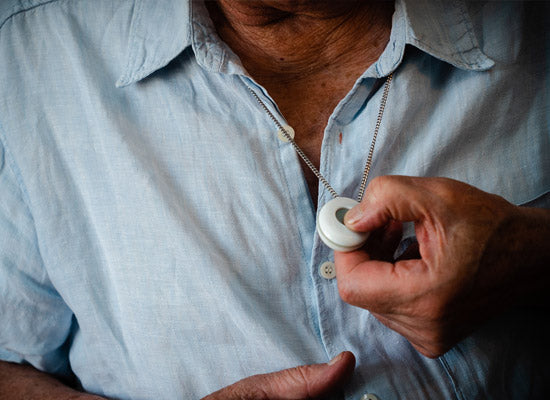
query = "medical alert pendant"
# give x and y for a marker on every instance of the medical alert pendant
(331, 228)
(330, 222)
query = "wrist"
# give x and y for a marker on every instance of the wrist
(520, 252)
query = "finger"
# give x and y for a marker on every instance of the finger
(377, 285)
(303, 382)
(311, 381)
(399, 198)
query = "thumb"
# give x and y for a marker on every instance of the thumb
(303, 382)
(391, 197)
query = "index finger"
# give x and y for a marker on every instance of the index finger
(400, 198)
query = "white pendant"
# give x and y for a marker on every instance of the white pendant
(331, 228)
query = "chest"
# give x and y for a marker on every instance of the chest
(307, 107)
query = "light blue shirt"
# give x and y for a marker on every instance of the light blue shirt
(157, 239)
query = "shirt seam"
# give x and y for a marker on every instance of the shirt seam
(457, 56)
(143, 70)
(195, 23)
(20, 9)
(133, 46)
(217, 67)
(422, 44)
(458, 393)
(472, 39)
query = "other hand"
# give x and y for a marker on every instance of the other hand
(303, 382)
(476, 255)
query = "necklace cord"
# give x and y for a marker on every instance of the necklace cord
(298, 150)
(305, 158)
(368, 163)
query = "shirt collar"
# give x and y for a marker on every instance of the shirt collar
(445, 30)
(159, 31)
(162, 29)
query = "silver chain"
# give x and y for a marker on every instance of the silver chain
(308, 161)
(374, 136)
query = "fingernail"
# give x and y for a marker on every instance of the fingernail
(336, 359)
(353, 215)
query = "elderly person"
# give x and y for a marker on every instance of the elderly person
(164, 164)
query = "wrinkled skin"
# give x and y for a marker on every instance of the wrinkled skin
(303, 382)
(476, 256)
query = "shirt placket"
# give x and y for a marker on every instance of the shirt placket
(319, 273)
(344, 152)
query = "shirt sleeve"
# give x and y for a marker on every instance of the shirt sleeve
(35, 322)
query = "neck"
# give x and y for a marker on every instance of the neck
(285, 39)
(306, 53)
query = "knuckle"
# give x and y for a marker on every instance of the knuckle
(379, 183)
(376, 191)
(448, 190)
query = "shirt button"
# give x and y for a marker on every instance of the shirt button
(369, 396)
(288, 130)
(327, 270)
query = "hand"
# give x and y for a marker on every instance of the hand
(476, 255)
(304, 382)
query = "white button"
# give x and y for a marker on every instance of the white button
(369, 396)
(327, 270)
(288, 130)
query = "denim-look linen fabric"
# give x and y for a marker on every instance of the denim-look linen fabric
(158, 240)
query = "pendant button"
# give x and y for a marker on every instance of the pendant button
(331, 228)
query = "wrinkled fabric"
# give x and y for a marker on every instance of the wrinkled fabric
(157, 239)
